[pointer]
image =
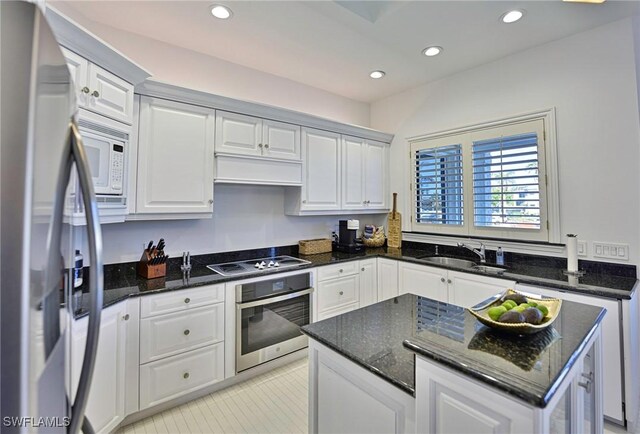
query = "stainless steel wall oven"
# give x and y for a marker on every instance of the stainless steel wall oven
(269, 314)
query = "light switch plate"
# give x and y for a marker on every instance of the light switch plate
(610, 250)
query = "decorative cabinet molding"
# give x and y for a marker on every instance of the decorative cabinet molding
(175, 158)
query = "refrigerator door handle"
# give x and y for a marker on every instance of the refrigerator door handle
(96, 281)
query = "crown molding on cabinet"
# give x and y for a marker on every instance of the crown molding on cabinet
(81, 41)
(176, 93)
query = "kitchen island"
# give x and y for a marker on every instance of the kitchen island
(412, 364)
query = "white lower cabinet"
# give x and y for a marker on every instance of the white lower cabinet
(345, 287)
(181, 343)
(346, 398)
(106, 405)
(387, 278)
(611, 344)
(171, 377)
(462, 289)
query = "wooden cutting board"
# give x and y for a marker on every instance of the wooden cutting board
(394, 226)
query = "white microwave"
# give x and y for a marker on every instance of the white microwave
(106, 150)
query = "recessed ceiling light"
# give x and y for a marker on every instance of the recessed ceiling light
(432, 51)
(221, 12)
(512, 16)
(377, 74)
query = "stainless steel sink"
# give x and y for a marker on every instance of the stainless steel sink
(488, 269)
(451, 262)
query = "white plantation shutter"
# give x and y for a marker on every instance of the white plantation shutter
(439, 188)
(483, 181)
(506, 185)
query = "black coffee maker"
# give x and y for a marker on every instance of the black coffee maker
(347, 237)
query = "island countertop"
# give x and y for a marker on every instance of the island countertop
(384, 338)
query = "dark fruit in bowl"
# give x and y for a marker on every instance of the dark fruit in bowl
(511, 317)
(532, 316)
(517, 298)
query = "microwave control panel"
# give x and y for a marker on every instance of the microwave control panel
(117, 167)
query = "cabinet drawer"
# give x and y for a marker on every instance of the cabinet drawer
(337, 270)
(334, 312)
(174, 376)
(178, 301)
(167, 335)
(338, 292)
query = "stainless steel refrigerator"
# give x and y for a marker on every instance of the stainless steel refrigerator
(40, 147)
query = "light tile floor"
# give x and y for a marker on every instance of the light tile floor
(274, 402)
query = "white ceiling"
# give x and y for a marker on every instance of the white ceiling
(334, 45)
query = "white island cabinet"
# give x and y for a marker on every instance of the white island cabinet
(416, 365)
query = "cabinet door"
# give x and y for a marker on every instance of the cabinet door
(353, 155)
(430, 282)
(238, 134)
(387, 279)
(368, 282)
(321, 170)
(110, 95)
(78, 67)
(175, 158)
(280, 140)
(376, 171)
(105, 408)
(467, 290)
(611, 349)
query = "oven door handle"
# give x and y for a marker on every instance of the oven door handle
(274, 299)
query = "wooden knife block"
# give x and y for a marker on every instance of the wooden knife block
(150, 271)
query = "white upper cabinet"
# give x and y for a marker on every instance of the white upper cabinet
(175, 158)
(365, 180)
(280, 140)
(238, 134)
(249, 136)
(99, 90)
(321, 170)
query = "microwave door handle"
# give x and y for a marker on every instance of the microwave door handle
(96, 281)
(274, 299)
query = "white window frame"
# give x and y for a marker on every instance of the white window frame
(551, 222)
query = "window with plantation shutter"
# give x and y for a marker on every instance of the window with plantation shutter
(506, 186)
(439, 189)
(487, 181)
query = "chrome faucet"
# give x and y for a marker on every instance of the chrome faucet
(479, 252)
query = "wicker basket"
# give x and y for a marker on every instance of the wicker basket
(313, 247)
(374, 242)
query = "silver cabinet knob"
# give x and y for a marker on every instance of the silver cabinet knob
(362, 269)
(185, 375)
(341, 292)
(186, 332)
(364, 202)
(210, 201)
(259, 145)
(266, 145)
(95, 93)
(341, 270)
(126, 317)
(85, 90)
(187, 300)
(304, 201)
(442, 279)
(448, 280)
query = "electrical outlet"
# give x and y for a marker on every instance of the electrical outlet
(582, 248)
(611, 250)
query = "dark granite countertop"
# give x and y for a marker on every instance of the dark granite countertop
(603, 280)
(383, 336)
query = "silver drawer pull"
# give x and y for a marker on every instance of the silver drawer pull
(186, 332)
(187, 300)
(185, 375)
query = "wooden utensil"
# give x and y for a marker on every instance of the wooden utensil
(394, 225)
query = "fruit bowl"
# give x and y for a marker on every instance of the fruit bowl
(553, 306)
